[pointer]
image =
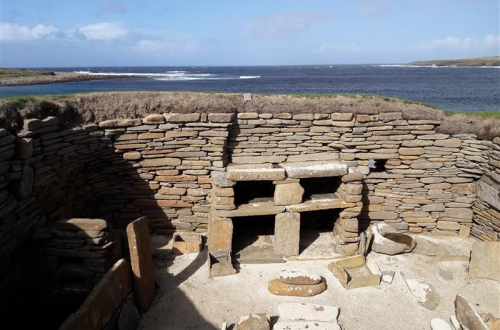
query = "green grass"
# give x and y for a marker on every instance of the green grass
(10, 73)
(482, 61)
(484, 114)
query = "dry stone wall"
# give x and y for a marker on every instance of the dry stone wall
(161, 167)
(486, 207)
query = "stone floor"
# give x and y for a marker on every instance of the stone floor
(314, 244)
(189, 299)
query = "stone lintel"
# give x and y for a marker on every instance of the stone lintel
(314, 169)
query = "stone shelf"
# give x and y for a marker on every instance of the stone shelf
(314, 169)
(320, 202)
(257, 206)
(265, 206)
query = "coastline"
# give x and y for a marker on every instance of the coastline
(57, 77)
(493, 61)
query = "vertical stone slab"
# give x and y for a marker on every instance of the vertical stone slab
(142, 262)
(104, 300)
(287, 234)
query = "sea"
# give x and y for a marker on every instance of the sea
(452, 88)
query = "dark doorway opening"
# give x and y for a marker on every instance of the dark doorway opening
(314, 224)
(320, 187)
(253, 239)
(253, 191)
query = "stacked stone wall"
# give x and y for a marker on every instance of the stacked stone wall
(161, 166)
(486, 207)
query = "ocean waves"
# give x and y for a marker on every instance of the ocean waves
(170, 75)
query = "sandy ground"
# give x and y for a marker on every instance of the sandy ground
(189, 299)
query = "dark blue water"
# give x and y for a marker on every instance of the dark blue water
(465, 89)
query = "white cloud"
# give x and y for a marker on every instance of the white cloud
(16, 32)
(490, 42)
(105, 31)
(284, 24)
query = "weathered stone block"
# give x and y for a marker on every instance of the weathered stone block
(156, 162)
(288, 194)
(341, 116)
(80, 224)
(448, 143)
(132, 155)
(352, 177)
(181, 117)
(154, 119)
(141, 262)
(314, 169)
(221, 117)
(149, 136)
(220, 235)
(287, 234)
(388, 116)
(353, 189)
(255, 174)
(24, 148)
(220, 180)
(277, 287)
(448, 225)
(458, 213)
(411, 151)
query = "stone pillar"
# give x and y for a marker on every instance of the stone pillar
(142, 262)
(288, 193)
(287, 234)
(347, 225)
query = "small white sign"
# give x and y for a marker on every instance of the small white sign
(247, 96)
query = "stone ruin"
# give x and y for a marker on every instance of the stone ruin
(207, 173)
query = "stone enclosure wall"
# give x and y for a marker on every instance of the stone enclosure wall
(162, 167)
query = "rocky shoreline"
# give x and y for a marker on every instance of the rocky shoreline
(57, 77)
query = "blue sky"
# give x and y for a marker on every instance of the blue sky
(216, 32)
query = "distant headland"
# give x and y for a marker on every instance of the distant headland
(481, 61)
(22, 77)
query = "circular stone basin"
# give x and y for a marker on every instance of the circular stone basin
(400, 238)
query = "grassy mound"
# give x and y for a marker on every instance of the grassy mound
(80, 109)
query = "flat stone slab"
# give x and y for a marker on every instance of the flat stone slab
(485, 260)
(425, 293)
(141, 262)
(253, 322)
(81, 224)
(235, 173)
(467, 315)
(104, 300)
(279, 288)
(314, 169)
(308, 312)
(251, 209)
(322, 202)
(306, 325)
